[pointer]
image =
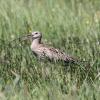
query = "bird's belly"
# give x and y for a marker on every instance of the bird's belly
(39, 54)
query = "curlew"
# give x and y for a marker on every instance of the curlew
(43, 51)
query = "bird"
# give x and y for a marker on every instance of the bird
(43, 51)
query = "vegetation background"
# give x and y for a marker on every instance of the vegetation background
(71, 25)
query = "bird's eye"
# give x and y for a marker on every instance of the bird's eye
(36, 33)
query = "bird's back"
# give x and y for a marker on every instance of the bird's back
(52, 54)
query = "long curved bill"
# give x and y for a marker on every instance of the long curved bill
(22, 38)
(27, 37)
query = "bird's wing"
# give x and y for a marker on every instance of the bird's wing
(62, 55)
(57, 54)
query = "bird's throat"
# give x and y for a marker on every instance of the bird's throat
(35, 43)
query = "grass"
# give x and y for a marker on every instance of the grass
(73, 26)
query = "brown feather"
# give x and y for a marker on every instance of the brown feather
(51, 53)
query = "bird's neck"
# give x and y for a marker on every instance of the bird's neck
(35, 43)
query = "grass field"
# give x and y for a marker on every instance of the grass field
(71, 25)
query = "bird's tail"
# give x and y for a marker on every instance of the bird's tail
(77, 61)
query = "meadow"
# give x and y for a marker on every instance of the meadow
(70, 25)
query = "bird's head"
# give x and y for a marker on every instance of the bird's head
(35, 35)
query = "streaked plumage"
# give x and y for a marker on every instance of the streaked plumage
(42, 51)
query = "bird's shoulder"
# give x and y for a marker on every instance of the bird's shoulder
(51, 49)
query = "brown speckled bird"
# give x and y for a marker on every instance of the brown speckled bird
(42, 51)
